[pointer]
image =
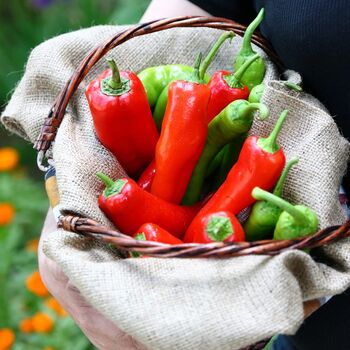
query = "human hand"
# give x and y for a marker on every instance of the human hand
(104, 334)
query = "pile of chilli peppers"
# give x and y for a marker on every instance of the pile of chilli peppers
(182, 137)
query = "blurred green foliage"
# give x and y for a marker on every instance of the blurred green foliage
(17, 263)
(25, 24)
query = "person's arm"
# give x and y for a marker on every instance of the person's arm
(162, 8)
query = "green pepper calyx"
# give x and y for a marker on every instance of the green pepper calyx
(269, 144)
(140, 236)
(112, 187)
(219, 228)
(234, 80)
(115, 85)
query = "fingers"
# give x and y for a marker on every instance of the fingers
(104, 334)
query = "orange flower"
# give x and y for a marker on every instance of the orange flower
(8, 158)
(7, 212)
(36, 285)
(32, 245)
(42, 323)
(48, 348)
(54, 305)
(7, 338)
(26, 326)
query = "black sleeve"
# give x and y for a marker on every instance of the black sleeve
(241, 11)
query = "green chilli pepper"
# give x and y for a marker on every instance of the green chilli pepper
(154, 79)
(254, 75)
(162, 100)
(215, 163)
(264, 215)
(233, 121)
(256, 93)
(229, 158)
(295, 220)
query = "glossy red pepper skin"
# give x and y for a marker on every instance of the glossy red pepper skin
(182, 139)
(130, 207)
(124, 123)
(155, 233)
(254, 168)
(146, 179)
(221, 94)
(221, 226)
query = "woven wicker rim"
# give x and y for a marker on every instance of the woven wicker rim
(90, 228)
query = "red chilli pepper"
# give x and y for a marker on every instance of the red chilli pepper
(128, 207)
(182, 139)
(146, 179)
(260, 164)
(221, 226)
(226, 88)
(122, 118)
(153, 232)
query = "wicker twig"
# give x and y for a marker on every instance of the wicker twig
(91, 228)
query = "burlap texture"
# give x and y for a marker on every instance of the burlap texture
(173, 303)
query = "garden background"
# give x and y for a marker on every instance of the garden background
(29, 318)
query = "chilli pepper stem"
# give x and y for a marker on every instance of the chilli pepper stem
(269, 144)
(219, 228)
(140, 236)
(115, 80)
(196, 67)
(247, 46)
(208, 59)
(293, 86)
(263, 110)
(105, 179)
(279, 186)
(234, 79)
(262, 195)
(112, 187)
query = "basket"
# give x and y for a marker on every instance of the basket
(91, 228)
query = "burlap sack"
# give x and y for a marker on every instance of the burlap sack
(174, 303)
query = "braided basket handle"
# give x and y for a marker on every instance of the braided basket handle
(53, 121)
